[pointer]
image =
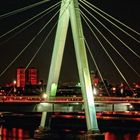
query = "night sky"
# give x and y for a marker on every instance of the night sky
(127, 11)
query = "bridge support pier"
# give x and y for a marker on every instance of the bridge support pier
(92, 135)
(44, 132)
(46, 120)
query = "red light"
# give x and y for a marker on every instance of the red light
(14, 132)
(4, 132)
(20, 133)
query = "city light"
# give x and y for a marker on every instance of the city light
(44, 96)
(14, 82)
(95, 91)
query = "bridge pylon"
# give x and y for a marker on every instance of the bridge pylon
(70, 12)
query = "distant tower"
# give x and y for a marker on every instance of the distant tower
(21, 77)
(32, 76)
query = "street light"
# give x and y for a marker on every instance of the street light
(14, 84)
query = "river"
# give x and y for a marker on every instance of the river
(22, 126)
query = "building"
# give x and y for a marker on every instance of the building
(94, 78)
(21, 77)
(29, 76)
(32, 76)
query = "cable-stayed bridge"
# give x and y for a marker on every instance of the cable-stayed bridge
(13, 26)
(70, 11)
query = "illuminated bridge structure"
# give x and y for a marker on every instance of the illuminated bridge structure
(65, 104)
(70, 12)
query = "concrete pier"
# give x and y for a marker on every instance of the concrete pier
(92, 135)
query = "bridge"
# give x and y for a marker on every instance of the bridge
(65, 104)
(70, 11)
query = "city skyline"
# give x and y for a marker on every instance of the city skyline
(126, 11)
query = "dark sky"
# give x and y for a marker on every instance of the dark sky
(126, 11)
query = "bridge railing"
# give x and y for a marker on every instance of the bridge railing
(62, 99)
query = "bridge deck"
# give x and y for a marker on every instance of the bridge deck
(64, 104)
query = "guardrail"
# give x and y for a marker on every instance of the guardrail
(40, 99)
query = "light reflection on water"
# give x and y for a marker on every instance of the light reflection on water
(122, 136)
(13, 134)
(24, 134)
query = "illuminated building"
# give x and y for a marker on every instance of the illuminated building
(29, 76)
(32, 76)
(21, 77)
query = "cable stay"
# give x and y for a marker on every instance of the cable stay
(94, 61)
(28, 44)
(22, 9)
(121, 74)
(50, 9)
(111, 44)
(33, 57)
(89, 5)
(31, 42)
(137, 55)
(101, 13)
